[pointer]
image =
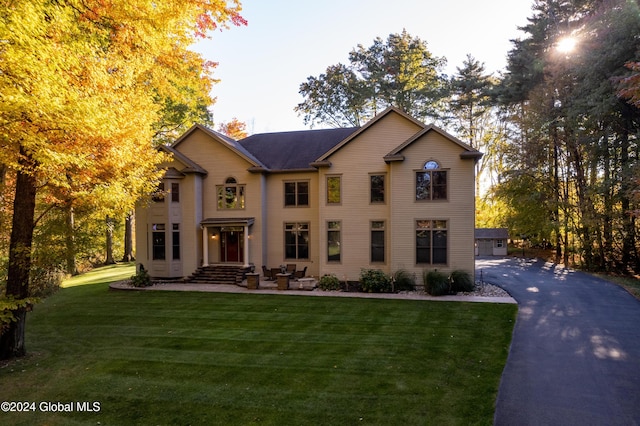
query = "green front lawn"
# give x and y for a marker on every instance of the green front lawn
(235, 359)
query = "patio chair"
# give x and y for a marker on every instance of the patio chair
(300, 274)
(274, 273)
(267, 273)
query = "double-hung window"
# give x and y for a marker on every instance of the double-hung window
(296, 194)
(431, 242)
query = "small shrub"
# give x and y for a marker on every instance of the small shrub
(141, 278)
(375, 281)
(329, 283)
(436, 283)
(461, 281)
(44, 282)
(404, 281)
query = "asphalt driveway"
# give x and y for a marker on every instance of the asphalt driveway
(575, 353)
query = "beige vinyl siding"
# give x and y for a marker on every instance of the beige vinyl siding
(278, 215)
(211, 154)
(458, 210)
(190, 232)
(167, 213)
(355, 162)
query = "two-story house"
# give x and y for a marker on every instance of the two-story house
(392, 194)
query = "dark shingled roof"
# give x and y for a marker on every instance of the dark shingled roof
(492, 233)
(293, 150)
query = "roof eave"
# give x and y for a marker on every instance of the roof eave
(475, 155)
(258, 169)
(320, 163)
(190, 166)
(394, 157)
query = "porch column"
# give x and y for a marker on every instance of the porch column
(205, 246)
(246, 245)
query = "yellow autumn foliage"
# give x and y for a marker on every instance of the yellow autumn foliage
(82, 83)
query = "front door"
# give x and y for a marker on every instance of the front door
(231, 246)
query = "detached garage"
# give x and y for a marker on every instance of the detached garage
(491, 241)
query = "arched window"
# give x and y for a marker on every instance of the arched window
(431, 182)
(231, 194)
(431, 164)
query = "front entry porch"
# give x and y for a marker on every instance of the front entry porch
(226, 241)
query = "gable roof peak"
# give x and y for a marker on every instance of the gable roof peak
(468, 151)
(224, 140)
(368, 124)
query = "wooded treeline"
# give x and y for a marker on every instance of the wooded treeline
(571, 173)
(558, 128)
(88, 87)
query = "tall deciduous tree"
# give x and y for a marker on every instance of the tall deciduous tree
(83, 84)
(400, 72)
(235, 129)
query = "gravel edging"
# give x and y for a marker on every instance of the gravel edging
(482, 293)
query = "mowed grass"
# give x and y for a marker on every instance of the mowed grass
(160, 358)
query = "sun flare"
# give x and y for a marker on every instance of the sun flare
(566, 45)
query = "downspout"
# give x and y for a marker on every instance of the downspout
(264, 220)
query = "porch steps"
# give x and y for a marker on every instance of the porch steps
(218, 274)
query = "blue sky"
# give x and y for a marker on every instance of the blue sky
(262, 65)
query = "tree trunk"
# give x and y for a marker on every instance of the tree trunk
(629, 253)
(70, 240)
(128, 238)
(585, 206)
(12, 340)
(110, 260)
(607, 228)
(556, 192)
